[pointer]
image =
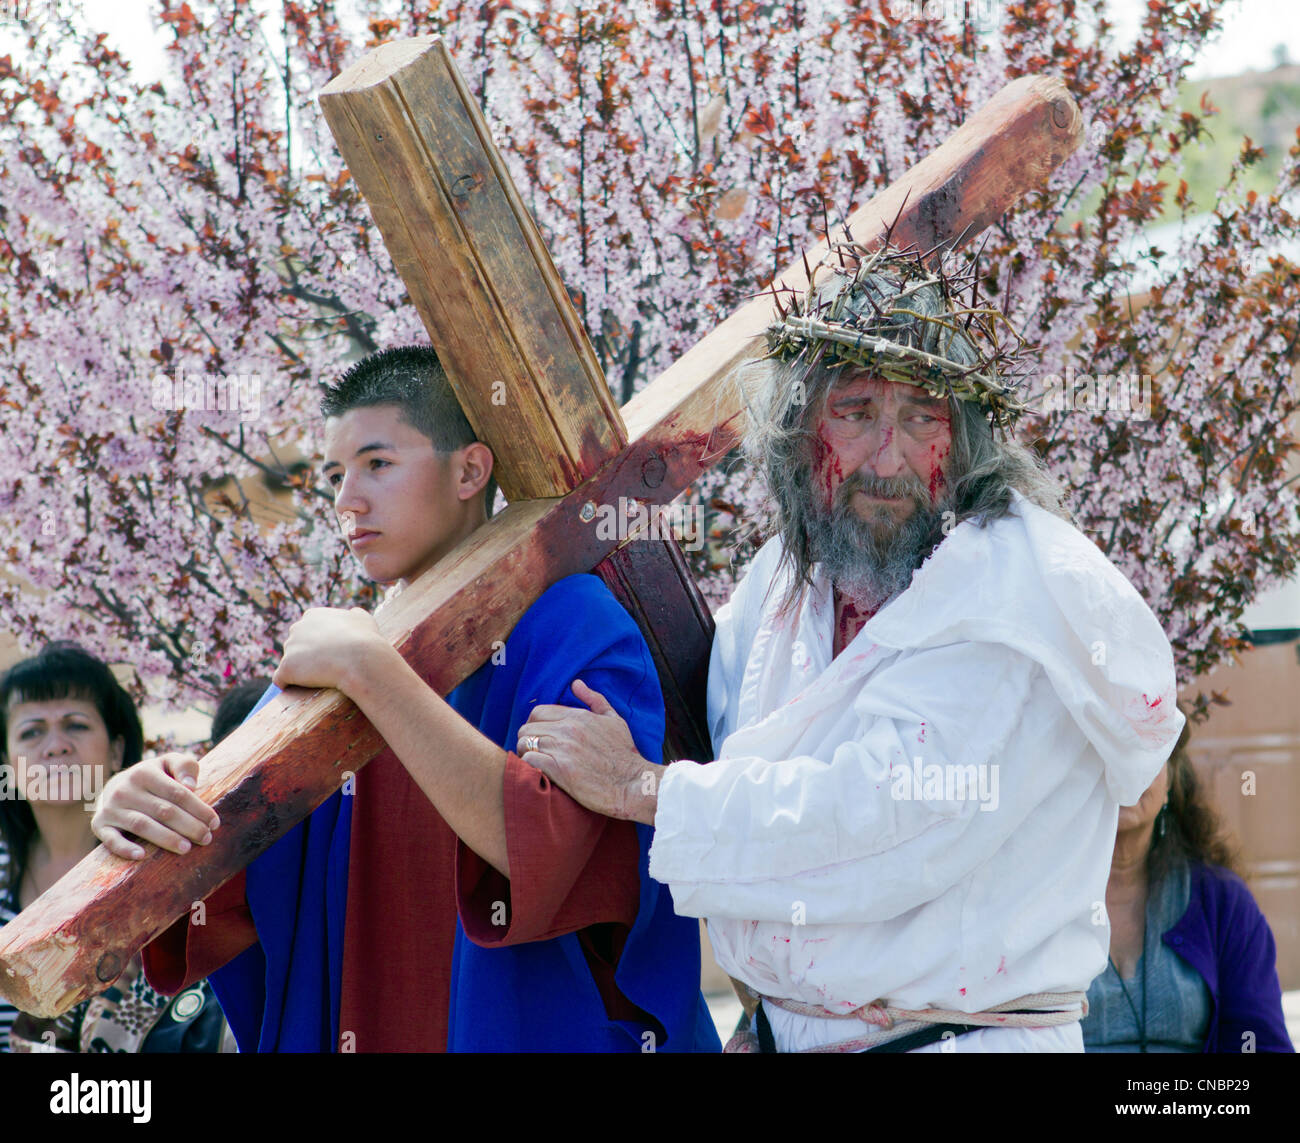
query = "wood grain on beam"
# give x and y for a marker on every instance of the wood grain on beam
(475, 266)
(646, 577)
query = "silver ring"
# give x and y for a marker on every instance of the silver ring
(531, 743)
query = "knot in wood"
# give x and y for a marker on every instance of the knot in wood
(462, 186)
(109, 968)
(653, 472)
(587, 513)
(1060, 113)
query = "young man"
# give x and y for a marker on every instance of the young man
(345, 934)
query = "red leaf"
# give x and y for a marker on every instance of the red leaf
(760, 121)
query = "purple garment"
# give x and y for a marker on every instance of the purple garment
(1225, 937)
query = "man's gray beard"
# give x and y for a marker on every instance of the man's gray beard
(871, 563)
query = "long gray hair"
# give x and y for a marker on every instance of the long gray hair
(784, 400)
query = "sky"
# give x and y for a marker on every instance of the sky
(1252, 29)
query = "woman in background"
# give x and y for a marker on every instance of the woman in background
(1193, 964)
(66, 727)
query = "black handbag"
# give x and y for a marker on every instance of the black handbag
(191, 1022)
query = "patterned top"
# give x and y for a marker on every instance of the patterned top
(8, 1013)
(1177, 999)
(115, 1021)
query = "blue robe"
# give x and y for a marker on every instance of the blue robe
(283, 993)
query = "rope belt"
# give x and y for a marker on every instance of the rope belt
(890, 1023)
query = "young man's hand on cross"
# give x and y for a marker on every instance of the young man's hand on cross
(329, 647)
(154, 801)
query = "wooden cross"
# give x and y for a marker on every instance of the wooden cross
(496, 311)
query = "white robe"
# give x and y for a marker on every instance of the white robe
(825, 876)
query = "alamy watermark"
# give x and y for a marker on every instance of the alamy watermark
(1123, 394)
(208, 392)
(632, 519)
(51, 781)
(982, 13)
(27, 9)
(77, 1096)
(947, 782)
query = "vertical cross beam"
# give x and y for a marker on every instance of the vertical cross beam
(504, 326)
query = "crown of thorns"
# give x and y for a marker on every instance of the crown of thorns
(821, 326)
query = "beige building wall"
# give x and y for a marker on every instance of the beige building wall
(1249, 757)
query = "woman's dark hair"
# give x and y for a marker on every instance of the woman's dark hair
(62, 670)
(1193, 832)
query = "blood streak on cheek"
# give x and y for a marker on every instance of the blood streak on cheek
(936, 470)
(827, 464)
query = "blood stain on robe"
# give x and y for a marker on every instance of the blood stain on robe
(851, 621)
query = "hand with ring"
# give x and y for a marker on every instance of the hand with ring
(591, 756)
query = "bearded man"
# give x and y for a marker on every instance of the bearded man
(929, 697)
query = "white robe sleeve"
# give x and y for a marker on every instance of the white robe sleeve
(750, 838)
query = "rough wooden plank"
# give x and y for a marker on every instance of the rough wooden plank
(650, 578)
(475, 266)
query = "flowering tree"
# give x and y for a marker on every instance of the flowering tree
(180, 262)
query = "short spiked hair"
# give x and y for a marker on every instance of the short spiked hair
(412, 378)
